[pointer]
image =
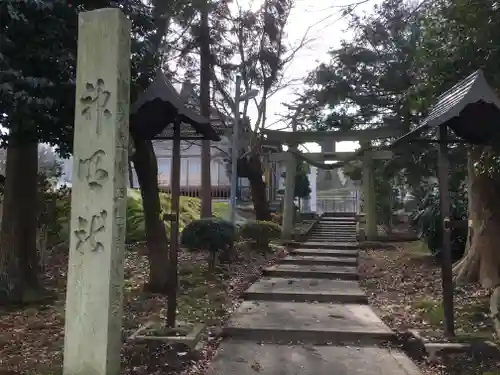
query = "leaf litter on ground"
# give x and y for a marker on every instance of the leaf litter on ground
(32, 338)
(404, 286)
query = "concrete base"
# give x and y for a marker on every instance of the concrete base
(306, 290)
(244, 358)
(318, 323)
(320, 260)
(329, 245)
(319, 272)
(325, 252)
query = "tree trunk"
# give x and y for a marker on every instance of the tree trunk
(19, 264)
(481, 262)
(146, 168)
(251, 168)
(205, 68)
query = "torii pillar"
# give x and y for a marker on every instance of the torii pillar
(369, 200)
(289, 201)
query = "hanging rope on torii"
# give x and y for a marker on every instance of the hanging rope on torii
(366, 153)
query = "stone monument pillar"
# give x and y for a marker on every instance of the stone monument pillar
(92, 340)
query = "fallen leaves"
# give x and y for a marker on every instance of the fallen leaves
(32, 338)
(404, 285)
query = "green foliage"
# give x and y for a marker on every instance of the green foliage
(38, 64)
(56, 212)
(212, 235)
(382, 76)
(428, 222)
(209, 234)
(189, 211)
(261, 232)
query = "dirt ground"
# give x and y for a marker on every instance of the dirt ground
(31, 338)
(404, 285)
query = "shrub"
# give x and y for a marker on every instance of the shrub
(212, 234)
(428, 223)
(261, 232)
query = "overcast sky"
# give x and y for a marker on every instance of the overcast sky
(326, 34)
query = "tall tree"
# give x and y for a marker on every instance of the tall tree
(38, 42)
(37, 76)
(205, 69)
(370, 82)
(256, 49)
(401, 59)
(473, 29)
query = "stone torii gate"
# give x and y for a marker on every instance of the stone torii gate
(328, 139)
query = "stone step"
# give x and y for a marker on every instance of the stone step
(337, 224)
(338, 221)
(329, 245)
(320, 260)
(334, 224)
(309, 271)
(311, 238)
(334, 234)
(334, 229)
(325, 252)
(330, 232)
(322, 231)
(306, 290)
(338, 218)
(330, 240)
(333, 238)
(313, 323)
(248, 358)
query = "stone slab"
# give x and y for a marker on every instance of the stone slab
(325, 252)
(315, 323)
(330, 245)
(320, 260)
(334, 238)
(306, 290)
(244, 358)
(337, 218)
(334, 230)
(345, 224)
(314, 236)
(310, 271)
(326, 242)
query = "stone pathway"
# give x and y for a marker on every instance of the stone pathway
(308, 316)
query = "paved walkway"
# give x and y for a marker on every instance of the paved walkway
(308, 316)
